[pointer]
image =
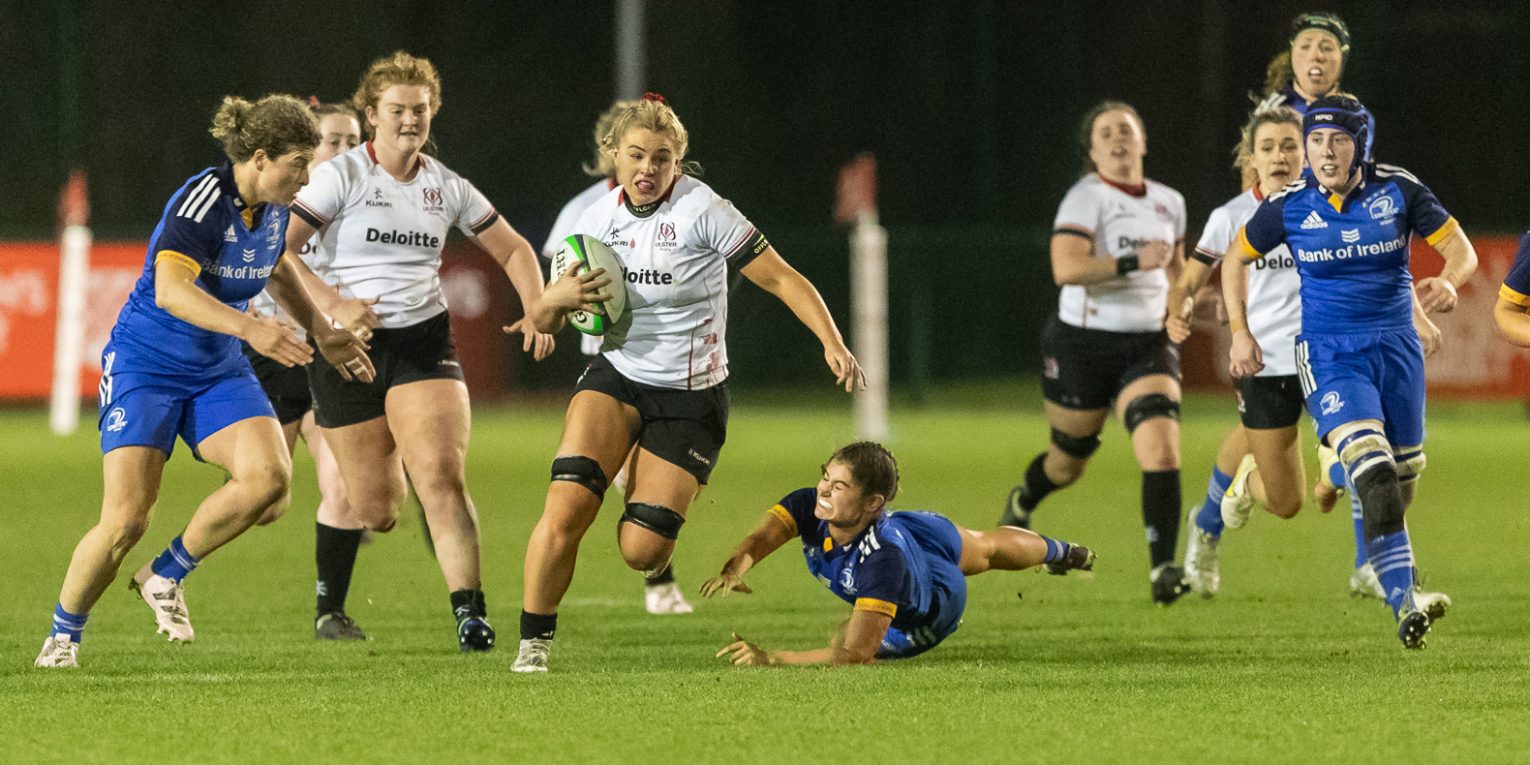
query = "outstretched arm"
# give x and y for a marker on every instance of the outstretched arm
(776, 276)
(855, 641)
(514, 254)
(764, 540)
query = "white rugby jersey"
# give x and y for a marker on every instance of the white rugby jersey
(380, 237)
(265, 305)
(589, 345)
(675, 255)
(1274, 290)
(1119, 223)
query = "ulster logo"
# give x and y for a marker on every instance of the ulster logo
(666, 238)
(434, 201)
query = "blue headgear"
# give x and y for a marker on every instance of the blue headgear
(1340, 113)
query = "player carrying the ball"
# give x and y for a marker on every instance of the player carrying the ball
(904, 573)
(1359, 358)
(660, 381)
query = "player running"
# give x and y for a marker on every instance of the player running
(1311, 68)
(904, 573)
(1509, 313)
(1359, 357)
(173, 367)
(1117, 244)
(382, 212)
(660, 383)
(660, 593)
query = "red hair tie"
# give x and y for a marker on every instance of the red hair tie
(313, 102)
(651, 96)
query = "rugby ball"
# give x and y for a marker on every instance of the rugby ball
(591, 254)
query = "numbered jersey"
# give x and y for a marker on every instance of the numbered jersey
(1119, 221)
(1274, 289)
(675, 254)
(380, 237)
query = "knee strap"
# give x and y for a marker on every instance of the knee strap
(660, 520)
(1144, 408)
(1410, 462)
(1381, 503)
(583, 471)
(1079, 447)
(1363, 451)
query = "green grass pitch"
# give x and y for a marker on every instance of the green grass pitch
(1282, 666)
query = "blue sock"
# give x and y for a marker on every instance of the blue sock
(1392, 555)
(1209, 519)
(1056, 550)
(174, 563)
(1337, 476)
(1355, 514)
(65, 623)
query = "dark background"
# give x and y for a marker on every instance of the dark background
(971, 108)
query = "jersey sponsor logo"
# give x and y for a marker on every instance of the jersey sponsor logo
(230, 235)
(230, 271)
(618, 243)
(1331, 403)
(1130, 243)
(1273, 261)
(405, 238)
(647, 276)
(116, 420)
(1313, 221)
(1382, 208)
(1350, 235)
(377, 199)
(1357, 250)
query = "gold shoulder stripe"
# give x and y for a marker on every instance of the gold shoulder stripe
(1246, 250)
(180, 259)
(877, 606)
(1446, 229)
(1513, 296)
(785, 518)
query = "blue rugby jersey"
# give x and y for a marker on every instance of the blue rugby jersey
(1351, 252)
(207, 227)
(1516, 286)
(884, 569)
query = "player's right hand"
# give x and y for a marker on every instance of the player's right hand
(847, 371)
(575, 291)
(347, 354)
(1428, 334)
(355, 315)
(271, 339)
(1178, 321)
(1154, 254)
(743, 653)
(1247, 359)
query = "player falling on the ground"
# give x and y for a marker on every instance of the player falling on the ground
(1117, 244)
(173, 367)
(904, 573)
(660, 593)
(660, 383)
(1359, 358)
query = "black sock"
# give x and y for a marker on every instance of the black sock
(666, 576)
(1160, 513)
(467, 604)
(538, 626)
(1037, 484)
(334, 553)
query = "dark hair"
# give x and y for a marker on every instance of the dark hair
(279, 124)
(323, 109)
(1086, 127)
(872, 466)
(1324, 21)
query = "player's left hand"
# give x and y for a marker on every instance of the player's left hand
(539, 344)
(347, 353)
(1428, 334)
(1178, 321)
(847, 371)
(724, 583)
(1436, 294)
(744, 653)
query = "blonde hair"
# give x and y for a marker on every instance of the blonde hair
(651, 113)
(1243, 153)
(1278, 73)
(401, 68)
(601, 164)
(278, 124)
